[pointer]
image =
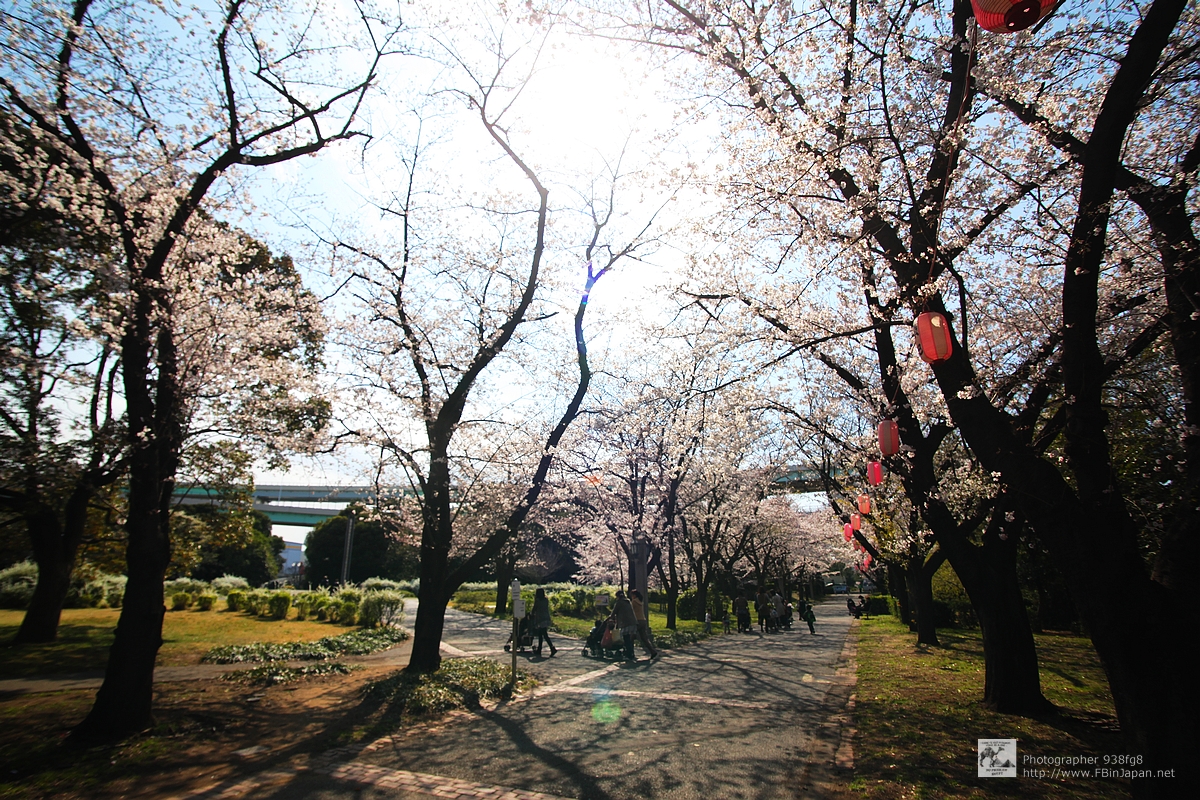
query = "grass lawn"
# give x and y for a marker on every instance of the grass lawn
(918, 715)
(85, 634)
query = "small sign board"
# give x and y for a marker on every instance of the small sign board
(516, 590)
(519, 608)
(601, 601)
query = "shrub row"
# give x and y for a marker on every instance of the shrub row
(371, 609)
(354, 643)
(87, 590)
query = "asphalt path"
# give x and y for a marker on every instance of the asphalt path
(758, 716)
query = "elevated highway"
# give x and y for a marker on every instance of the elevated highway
(313, 504)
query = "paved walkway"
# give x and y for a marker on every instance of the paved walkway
(738, 716)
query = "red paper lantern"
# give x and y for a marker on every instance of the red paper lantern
(864, 504)
(1009, 16)
(847, 531)
(889, 437)
(856, 522)
(934, 334)
(857, 546)
(867, 561)
(874, 473)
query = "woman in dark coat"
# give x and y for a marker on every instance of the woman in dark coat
(541, 621)
(626, 623)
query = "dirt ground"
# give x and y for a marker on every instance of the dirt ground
(206, 732)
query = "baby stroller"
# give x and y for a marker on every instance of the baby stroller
(785, 619)
(596, 646)
(524, 636)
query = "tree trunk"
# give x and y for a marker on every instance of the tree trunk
(40, 624)
(911, 583)
(1012, 683)
(898, 586)
(123, 704)
(920, 590)
(672, 603)
(431, 612)
(505, 567)
(54, 553)
(701, 598)
(672, 579)
(55, 545)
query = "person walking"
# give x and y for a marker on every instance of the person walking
(809, 617)
(541, 621)
(643, 625)
(777, 610)
(626, 623)
(741, 608)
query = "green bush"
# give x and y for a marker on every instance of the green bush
(189, 585)
(114, 590)
(951, 607)
(262, 602)
(90, 595)
(235, 600)
(480, 601)
(877, 604)
(379, 585)
(229, 583)
(347, 612)
(459, 683)
(256, 602)
(303, 603)
(180, 601)
(381, 608)
(579, 602)
(206, 601)
(16, 585)
(349, 594)
(686, 607)
(280, 603)
(354, 643)
(276, 673)
(321, 602)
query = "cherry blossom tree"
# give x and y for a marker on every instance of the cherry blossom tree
(156, 107)
(883, 144)
(646, 435)
(57, 354)
(456, 310)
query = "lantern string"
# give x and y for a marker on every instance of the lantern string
(973, 40)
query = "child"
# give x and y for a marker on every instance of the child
(595, 638)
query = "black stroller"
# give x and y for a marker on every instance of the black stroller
(594, 646)
(785, 619)
(524, 636)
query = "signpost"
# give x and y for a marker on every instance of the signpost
(518, 614)
(349, 544)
